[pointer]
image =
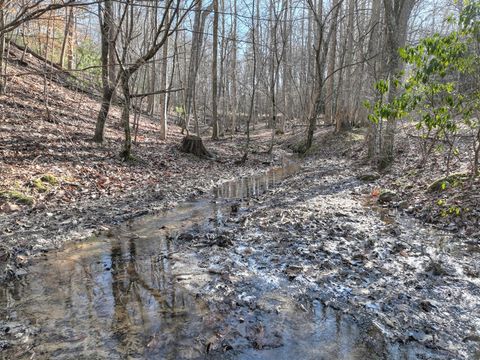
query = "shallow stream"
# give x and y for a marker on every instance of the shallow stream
(132, 293)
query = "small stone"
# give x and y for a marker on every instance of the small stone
(223, 240)
(293, 271)
(386, 196)
(427, 305)
(410, 210)
(21, 272)
(9, 208)
(420, 336)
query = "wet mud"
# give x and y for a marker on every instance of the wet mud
(294, 263)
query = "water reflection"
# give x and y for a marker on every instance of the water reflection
(253, 186)
(319, 333)
(113, 299)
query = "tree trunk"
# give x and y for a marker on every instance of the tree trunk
(214, 71)
(108, 88)
(195, 51)
(349, 101)
(374, 42)
(103, 114)
(234, 106)
(222, 82)
(397, 14)
(194, 145)
(254, 78)
(163, 103)
(287, 33)
(348, 95)
(66, 34)
(153, 73)
(314, 110)
(312, 30)
(112, 58)
(274, 53)
(127, 144)
(358, 82)
(71, 43)
(321, 52)
(330, 85)
(476, 155)
(2, 48)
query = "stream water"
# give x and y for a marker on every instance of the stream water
(131, 293)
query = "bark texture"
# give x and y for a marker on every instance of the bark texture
(194, 145)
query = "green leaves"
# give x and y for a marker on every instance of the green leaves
(381, 110)
(469, 17)
(442, 84)
(432, 87)
(381, 86)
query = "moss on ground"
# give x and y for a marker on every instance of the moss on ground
(17, 196)
(39, 185)
(43, 183)
(49, 179)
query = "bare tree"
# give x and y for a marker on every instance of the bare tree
(167, 25)
(330, 82)
(163, 103)
(215, 72)
(253, 30)
(195, 56)
(322, 40)
(22, 13)
(3, 78)
(108, 38)
(67, 36)
(234, 100)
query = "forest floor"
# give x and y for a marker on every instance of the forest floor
(330, 233)
(57, 185)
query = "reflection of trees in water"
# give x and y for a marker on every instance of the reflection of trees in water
(138, 320)
(255, 185)
(121, 296)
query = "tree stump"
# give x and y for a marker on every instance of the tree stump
(194, 145)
